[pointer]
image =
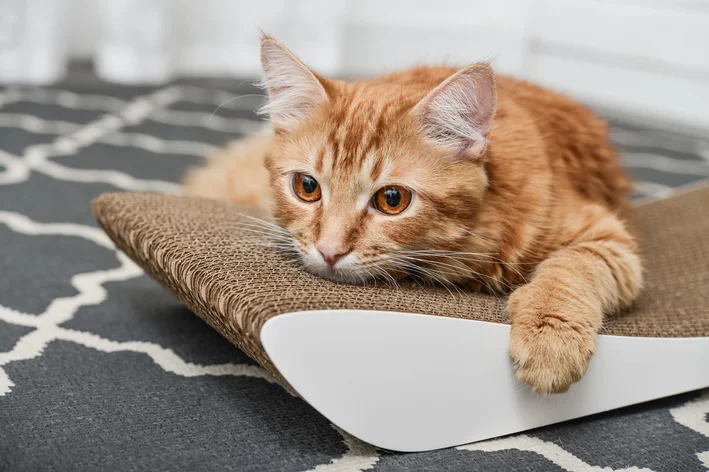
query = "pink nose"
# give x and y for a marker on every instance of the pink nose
(331, 254)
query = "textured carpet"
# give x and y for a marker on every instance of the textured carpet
(100, 369)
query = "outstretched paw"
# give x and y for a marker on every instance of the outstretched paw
(551, 346)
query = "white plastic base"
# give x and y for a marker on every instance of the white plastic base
(409, 382)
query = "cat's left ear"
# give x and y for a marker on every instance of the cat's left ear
(458, 113)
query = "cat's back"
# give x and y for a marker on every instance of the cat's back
(576, 139)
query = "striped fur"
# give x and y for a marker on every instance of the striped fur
(516, 189)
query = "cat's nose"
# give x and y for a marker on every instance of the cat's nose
(332, 253)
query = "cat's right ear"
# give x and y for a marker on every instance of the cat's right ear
(293, 89)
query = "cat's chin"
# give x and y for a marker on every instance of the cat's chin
(348, 276)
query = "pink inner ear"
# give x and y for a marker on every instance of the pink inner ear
(458, 113)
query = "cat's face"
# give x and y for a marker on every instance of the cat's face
(368, 178)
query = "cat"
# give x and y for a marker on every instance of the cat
(450, 174)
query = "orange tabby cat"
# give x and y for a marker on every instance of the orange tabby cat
(453, 175)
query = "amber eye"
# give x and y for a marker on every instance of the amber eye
(392, 199)
(306, 188)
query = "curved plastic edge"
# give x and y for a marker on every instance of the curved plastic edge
(408, 382)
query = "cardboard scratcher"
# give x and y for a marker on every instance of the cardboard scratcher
(414, 369)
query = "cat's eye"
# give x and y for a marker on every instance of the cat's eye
(306, 187)
(392, 199)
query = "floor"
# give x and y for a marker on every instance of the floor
(101, 369)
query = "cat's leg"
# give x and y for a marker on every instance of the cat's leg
(555, 317)
(235, 173)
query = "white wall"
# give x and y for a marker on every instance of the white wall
(646, 57)
(649, 57)
(385, 35)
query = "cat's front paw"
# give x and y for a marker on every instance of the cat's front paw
(551, 345)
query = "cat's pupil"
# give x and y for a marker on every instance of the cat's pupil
(309, 184)
(392, 197)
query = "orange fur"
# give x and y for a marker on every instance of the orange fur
(531, 204)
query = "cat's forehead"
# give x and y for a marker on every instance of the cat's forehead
(354, 167)
(357, 140)
(365, 101)
(357, 136)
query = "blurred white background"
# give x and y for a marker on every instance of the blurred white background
(645, 58)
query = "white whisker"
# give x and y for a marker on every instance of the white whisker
(262, 221)
(234, 98)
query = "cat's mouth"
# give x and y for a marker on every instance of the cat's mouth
(346, 274)
(351, 271)
(347, 270)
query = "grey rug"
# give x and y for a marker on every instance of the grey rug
(100, 369)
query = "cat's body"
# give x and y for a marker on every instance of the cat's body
(529, 200)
